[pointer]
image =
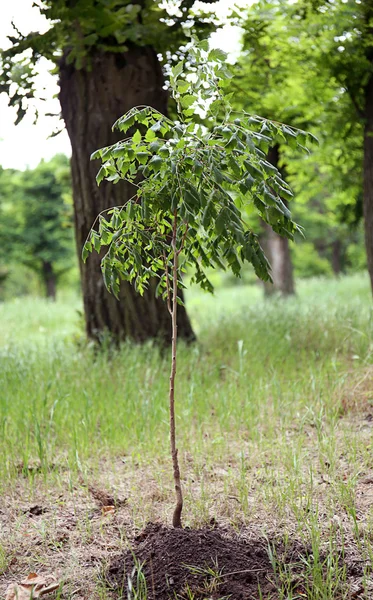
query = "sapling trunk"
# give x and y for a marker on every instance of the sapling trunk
(176, 519)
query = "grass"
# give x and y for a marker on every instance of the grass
(273, 424)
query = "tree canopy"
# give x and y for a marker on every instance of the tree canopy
(295, 64)
(80, 28)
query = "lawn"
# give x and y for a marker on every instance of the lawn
(275, 422)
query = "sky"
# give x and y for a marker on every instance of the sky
(26, 144)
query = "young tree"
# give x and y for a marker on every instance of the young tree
(106, 54)
(184, 211)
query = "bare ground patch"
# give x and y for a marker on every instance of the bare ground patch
(80, 529)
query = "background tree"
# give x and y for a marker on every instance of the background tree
(293, 80)
(106, 55)
(37, 225)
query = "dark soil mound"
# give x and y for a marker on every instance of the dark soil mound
(209, 563)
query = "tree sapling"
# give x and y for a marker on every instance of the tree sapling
(191, 176)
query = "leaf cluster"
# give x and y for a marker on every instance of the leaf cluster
(199, 175)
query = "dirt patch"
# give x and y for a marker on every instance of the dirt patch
(209, 563)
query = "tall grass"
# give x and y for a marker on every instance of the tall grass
(258, 367)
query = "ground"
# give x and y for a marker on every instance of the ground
(275, 419)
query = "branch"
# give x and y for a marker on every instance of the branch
(183, 239)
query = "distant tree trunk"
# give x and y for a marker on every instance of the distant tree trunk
(337, 257)
(368, 176)
(277, 251)
(49, 279)
(91, 100)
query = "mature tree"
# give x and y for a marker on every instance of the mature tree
(321, 71)
(267, 79)
(106, 55)
(292, 79)
(341, 33)
(37, 227)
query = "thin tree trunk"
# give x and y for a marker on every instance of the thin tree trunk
(368, 177)
(277, 251)
(91, 100)
(50, 280)
(176, 520)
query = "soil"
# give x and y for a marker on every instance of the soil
(171, 557)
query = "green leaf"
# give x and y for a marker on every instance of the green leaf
(217, 55)
(164, 151)
(154, 146)
(221, 221)
(198, 167)
(177, 69)
(95, 155)
(218, 175)
(87, 248)
(124, 123)
(136, 138)
(203, 44)
(191, 198)
(157, 126)
(155, 163)
(101, 175)
(96, 242)
(142, 157)
(150, 135)
(187, 100)
(183, 86)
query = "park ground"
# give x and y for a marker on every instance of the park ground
(275, 423)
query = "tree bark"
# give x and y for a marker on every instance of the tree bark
(91, 100)
(277, 251)
(368, 176)
(49, 279)
(176, 518)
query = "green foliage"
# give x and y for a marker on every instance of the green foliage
(193, 177)
(80, 29)
(308, 263)
(36, 223)
(296, 64)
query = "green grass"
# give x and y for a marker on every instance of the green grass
(261, 412)
(258, 366)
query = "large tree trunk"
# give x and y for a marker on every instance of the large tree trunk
(277, 251)
(91, 100)
(368, 176)
(49, 279)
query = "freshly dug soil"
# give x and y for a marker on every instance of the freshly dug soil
(171, 556)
